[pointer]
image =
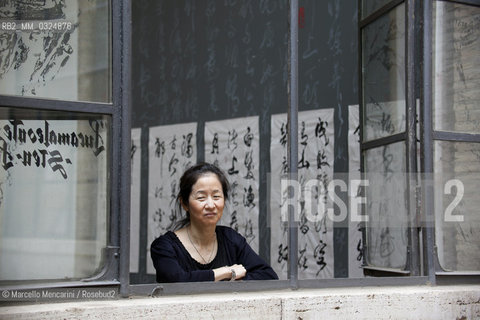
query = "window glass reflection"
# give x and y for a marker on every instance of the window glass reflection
(456, 77)
(457, 181)
(54, 195)
(386, 206)
(383, 52)
(58, 50)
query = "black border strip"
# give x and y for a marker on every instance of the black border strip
(383, 141)
(56, 105)
(378, 13)
(468, 2)
(456, 136)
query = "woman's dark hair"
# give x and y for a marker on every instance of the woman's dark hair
(189, 178)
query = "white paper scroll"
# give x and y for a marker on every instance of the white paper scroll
(355, 242)
(315, 154)
(135, 156)
(233, 145)
(171, 150)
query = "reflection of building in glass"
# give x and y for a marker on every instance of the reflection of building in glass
(56, 50)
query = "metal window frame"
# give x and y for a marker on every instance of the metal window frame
(292, 141)
(434, 271)
(413, 261)
(114, 272)
(428, 229)
(387, 277)
(154, 289)
(293, 282)
(424, 257)
(468, 2)
(166, 289)
(120, 108)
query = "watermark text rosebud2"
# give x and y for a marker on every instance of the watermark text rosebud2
(343, 199)
(317, 200)
(449, 186)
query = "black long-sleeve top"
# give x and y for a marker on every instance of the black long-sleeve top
(174, 264)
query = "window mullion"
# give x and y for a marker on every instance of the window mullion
(292, 143)
(428, 231)
(411, 141)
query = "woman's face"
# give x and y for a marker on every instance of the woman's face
(206, 201)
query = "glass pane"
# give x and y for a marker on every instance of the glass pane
(457, 181)
(456, 61)
(57, 50)
(384, 75)
(53, 194)
(386, 206)
(370, 6)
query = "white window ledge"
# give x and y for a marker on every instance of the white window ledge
(410, 302)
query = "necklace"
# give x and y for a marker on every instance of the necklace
(211, 252)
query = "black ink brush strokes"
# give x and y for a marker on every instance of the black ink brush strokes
(41, 53)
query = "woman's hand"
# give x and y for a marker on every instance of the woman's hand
(240, 271)
(225, 273)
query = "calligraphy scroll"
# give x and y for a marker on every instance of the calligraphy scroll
(233, 145)
(315, 154)
(135, 157)
(172, 149)
(355, 242)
